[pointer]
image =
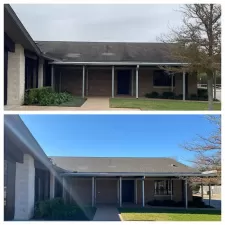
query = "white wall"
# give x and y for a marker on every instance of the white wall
(25, 189)
(16, 76)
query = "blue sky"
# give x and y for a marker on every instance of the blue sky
(117, 135)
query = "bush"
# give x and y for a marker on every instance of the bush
(56, 209)
(202, 92)
(193, 97)
(45, 96)
(153, 94)
(179, 97)
(196, 203)
(168, 95)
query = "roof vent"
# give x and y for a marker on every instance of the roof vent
(108, 53)
(73, 55)
(173, 165)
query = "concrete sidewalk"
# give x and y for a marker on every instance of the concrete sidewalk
(107, 213)
(92, 103)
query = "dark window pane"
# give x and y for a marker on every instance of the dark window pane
(162, 78)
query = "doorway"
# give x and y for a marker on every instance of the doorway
(123, 82)
(127, 191)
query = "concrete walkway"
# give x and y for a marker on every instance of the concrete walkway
(107, 213)
(92, 103)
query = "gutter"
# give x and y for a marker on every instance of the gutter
(118, 63)
(196, 174)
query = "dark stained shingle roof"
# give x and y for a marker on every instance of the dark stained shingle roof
(123, 164)
(107, 51)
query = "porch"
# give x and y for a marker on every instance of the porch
(120, 80)
(123, 191)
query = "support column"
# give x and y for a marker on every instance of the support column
(209, 194)
(83, 81)
(143, 192)
(171, 188)
(16, 76)
(40, 73)
(60, 81)
(63, 189)
(214, 85)
(184, 88)
(120, 191)
(137, 81)
(136, 191)
(202, 191)
(52, 186)
(172, 82)
(132, 83)
(93, 191)
(87, 81)
(113, 80)
(186, 194)
(24, 188)
(52, 77)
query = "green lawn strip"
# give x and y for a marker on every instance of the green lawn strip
(75, 102)
(136, 214)
(149, 104)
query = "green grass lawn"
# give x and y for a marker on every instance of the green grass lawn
(138, 214)
(150, 104)
(75, 102)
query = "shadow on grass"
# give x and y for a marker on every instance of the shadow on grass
(169, 211)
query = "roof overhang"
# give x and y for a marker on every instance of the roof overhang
(16, 31)
(119, 63)
(175, 174)
(19, 136)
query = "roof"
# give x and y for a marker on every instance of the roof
(121, 165)
(16, 30)
(107, 51)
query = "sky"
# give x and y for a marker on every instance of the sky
(98, 22)
(117, 135)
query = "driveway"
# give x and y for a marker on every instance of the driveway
(92, 103)
(107, 213)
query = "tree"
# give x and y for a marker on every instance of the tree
(198, 42)
(207, 151)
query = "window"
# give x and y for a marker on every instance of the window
(163, 187)
(162, 78)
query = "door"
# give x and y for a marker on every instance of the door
(128, 191)
(5, 75)
(123, 82)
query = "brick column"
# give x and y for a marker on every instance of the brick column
(24, 189)
(16, 76)
(40, 73)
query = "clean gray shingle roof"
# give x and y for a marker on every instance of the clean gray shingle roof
(106, 51)
(122, 164)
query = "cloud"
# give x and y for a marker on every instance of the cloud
(97, 22)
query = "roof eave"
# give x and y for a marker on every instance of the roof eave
(120, 63)
(22, 28)
(196, 174)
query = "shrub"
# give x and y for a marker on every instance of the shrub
(180, 96)
(168, 95)
(202, 92)
(193, 97)
(153, 94)
(45, 96)
(56, 209)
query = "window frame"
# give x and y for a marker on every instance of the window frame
(163, 86)
(168, 185)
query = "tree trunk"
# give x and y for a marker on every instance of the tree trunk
(210, 90)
